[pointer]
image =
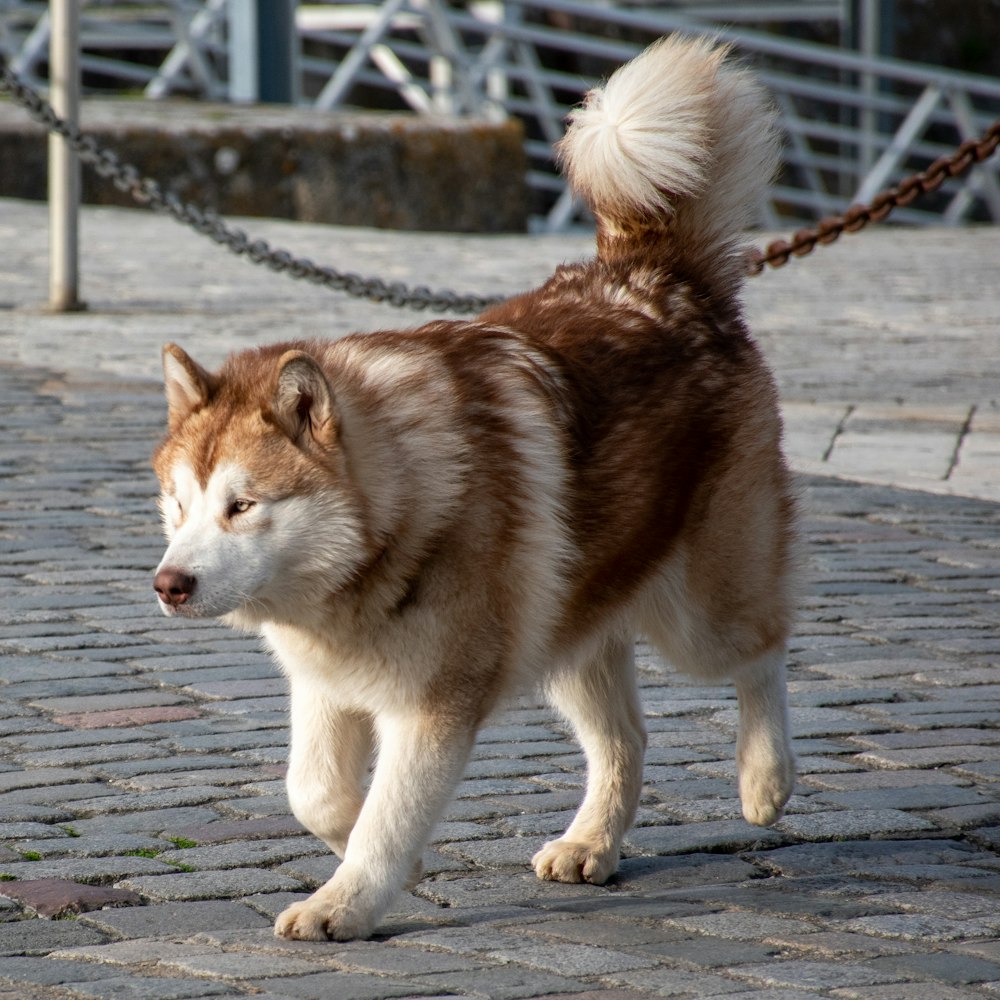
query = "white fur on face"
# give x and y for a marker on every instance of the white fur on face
(250, 554)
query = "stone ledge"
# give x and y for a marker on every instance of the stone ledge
(391, 171)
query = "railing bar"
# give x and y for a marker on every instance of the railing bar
(813, 53)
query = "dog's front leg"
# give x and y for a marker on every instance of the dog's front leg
(327, 762)
(420, 759)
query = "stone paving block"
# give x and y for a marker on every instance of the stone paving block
(159, 822)
(377, 957)
(39, 937)
(862, 855)
(27, 830)
(570, 959)
(801, 973)
(930, 756)
(242, 965)
(503, 983)
(137, 750)
(49, 971)
(92, 846)
(323, 985)
(965, 817)
(741, 926)
(679, 983)
(232, 883)
(22, 812)
(844, 824)
(257, 807)
(312, 871)
(702, 952)
(842, 944)
(769, 994)
(910, 797)
(33, 778)
(688, 838)
(162, 799)
(248, 854)
(646, 874)
(128, 716)
(137, 951)
(908, 991)
(86, 870)
(988, 770)
(224, 830)
(143, 988)
(55, 897)
(866, 780)
(923, 927)
(184, 779)
(176, 918)
(944, 967)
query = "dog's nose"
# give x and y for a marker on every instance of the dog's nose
(173, 586)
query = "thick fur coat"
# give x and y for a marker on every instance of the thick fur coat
(422, 522)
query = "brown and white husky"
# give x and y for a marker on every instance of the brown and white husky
(419, 522)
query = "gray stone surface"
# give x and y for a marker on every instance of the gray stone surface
(141, 757)
(396, 171)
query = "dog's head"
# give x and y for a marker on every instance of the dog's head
(255, 497)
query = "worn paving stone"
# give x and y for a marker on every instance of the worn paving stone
(321, 986)
(55, 897)
(182, 919)
(143, 988)
(845, 824)
(818, 975)
(232, 883)
(87, 870)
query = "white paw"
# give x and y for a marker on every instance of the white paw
(315, 920)
(573, 861)
(765, 788)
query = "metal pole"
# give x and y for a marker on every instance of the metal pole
(869, 47)
(263, 52)
(64, 166)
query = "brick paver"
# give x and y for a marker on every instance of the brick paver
(143, 761)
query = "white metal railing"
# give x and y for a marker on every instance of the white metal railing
(854, 123)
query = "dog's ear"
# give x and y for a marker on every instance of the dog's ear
(303, 400)
(188, 385)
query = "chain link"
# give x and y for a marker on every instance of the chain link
(972, 151)
(147, 191)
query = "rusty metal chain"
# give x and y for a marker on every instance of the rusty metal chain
(972, 151)
(147, 191)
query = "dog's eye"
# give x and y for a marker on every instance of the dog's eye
(239, 507)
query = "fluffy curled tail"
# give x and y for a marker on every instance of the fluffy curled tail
(678, 142)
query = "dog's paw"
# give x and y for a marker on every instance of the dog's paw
(573, 861)
(313, 920)
(765, 788)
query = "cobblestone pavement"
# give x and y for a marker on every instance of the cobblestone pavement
(145, 839)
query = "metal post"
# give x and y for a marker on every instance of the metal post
(868, 86)
(263, 51)
(64, 166)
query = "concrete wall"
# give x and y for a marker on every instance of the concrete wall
(354, 168)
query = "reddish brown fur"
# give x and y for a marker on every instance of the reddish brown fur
(468, 506)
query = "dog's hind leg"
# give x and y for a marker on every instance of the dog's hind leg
(601, 701)
(764, 756)
(330, 752)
